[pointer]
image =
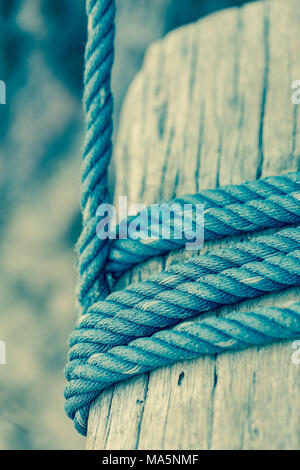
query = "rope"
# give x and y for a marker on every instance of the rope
(231, 210)
(118, 335)
(186, 341)
(172, 306)
(113, 321)
(98, 107)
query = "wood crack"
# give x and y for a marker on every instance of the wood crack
(264, 92)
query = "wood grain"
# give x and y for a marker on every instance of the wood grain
(211, 106)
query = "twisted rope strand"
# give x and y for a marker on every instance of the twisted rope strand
(189, 299)
(233, 219)
(186, 341)
(285, 241)
(126, 253)
(98, 106)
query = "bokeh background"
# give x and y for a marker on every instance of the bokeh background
(41, 135)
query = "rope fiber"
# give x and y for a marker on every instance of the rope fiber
(144, 326)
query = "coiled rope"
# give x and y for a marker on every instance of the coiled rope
(231, 210)
(118, 335)
(186, 341)
(187, 289)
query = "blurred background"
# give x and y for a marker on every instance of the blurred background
(41, 135)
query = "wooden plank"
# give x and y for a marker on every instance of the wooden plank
(211, 106)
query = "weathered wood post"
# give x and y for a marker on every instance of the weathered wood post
(211, 106)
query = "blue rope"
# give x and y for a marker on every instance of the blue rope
(186, 341)
(118, 335)
(242, 208)
(98, 332)
(127, 313)
(98, 107)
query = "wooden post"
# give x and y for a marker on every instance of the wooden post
(211, 106)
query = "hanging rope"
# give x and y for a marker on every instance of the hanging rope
(98, 107)
(117, 334)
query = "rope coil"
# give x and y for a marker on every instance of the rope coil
(118, 335)
(187, 341)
